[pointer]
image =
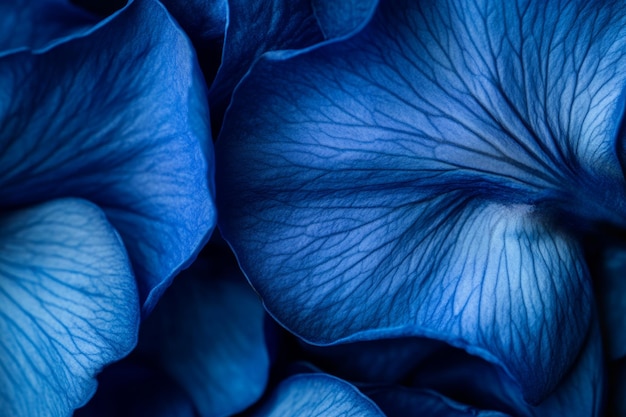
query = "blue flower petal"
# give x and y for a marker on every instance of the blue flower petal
(253, 29)
(39, 23)
(486, 278)
(388, 361)
(68, 306)
(470, 380)
(118, 117)
(423, 176)
(208, 333)
(582, 393)
(398, 372)
(203, 20)
(469, 388)
(338, 19)
(312, 395)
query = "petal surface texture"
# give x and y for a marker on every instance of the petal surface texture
(255, 27)
(39, 23)
(68, 306)
(469, 380)
(207, 333)
(118, 117)
(203, 20)
(340, 19)
(317, 395)
(422, 176)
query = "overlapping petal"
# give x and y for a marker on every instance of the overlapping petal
(424, 176)
(421, 374)
(311, 395)
(68, 306)
(118, 117)
(39, 23)
(478, 383)
(338, 19)
(253, 29)
(208, 334)
(203, 20)
(378, 361)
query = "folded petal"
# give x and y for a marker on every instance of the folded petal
(379, 361)
(118, 117)
(424, 176)
(40, 23)
(416, 376)
(202, 20)
(68, 306)
(317, 395)
(491, 279)
(337, 19)
(255, 27)
(208, 334)
(205, 22)
(475, 389)
(472, 381)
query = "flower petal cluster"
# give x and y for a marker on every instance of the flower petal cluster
(422, 204)
(104, 191)
(434, 175)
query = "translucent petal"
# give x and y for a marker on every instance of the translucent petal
(118, 117)
(255, 27)
(68, 306)
(426, 175)
(312, 395)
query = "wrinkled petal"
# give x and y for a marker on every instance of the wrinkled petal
(338, 19)
(254, 28)
(207, 332)
(68, 306)
(39, 23)
(129, 389)
(120, 118)
(423, 176)
(312, 395)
